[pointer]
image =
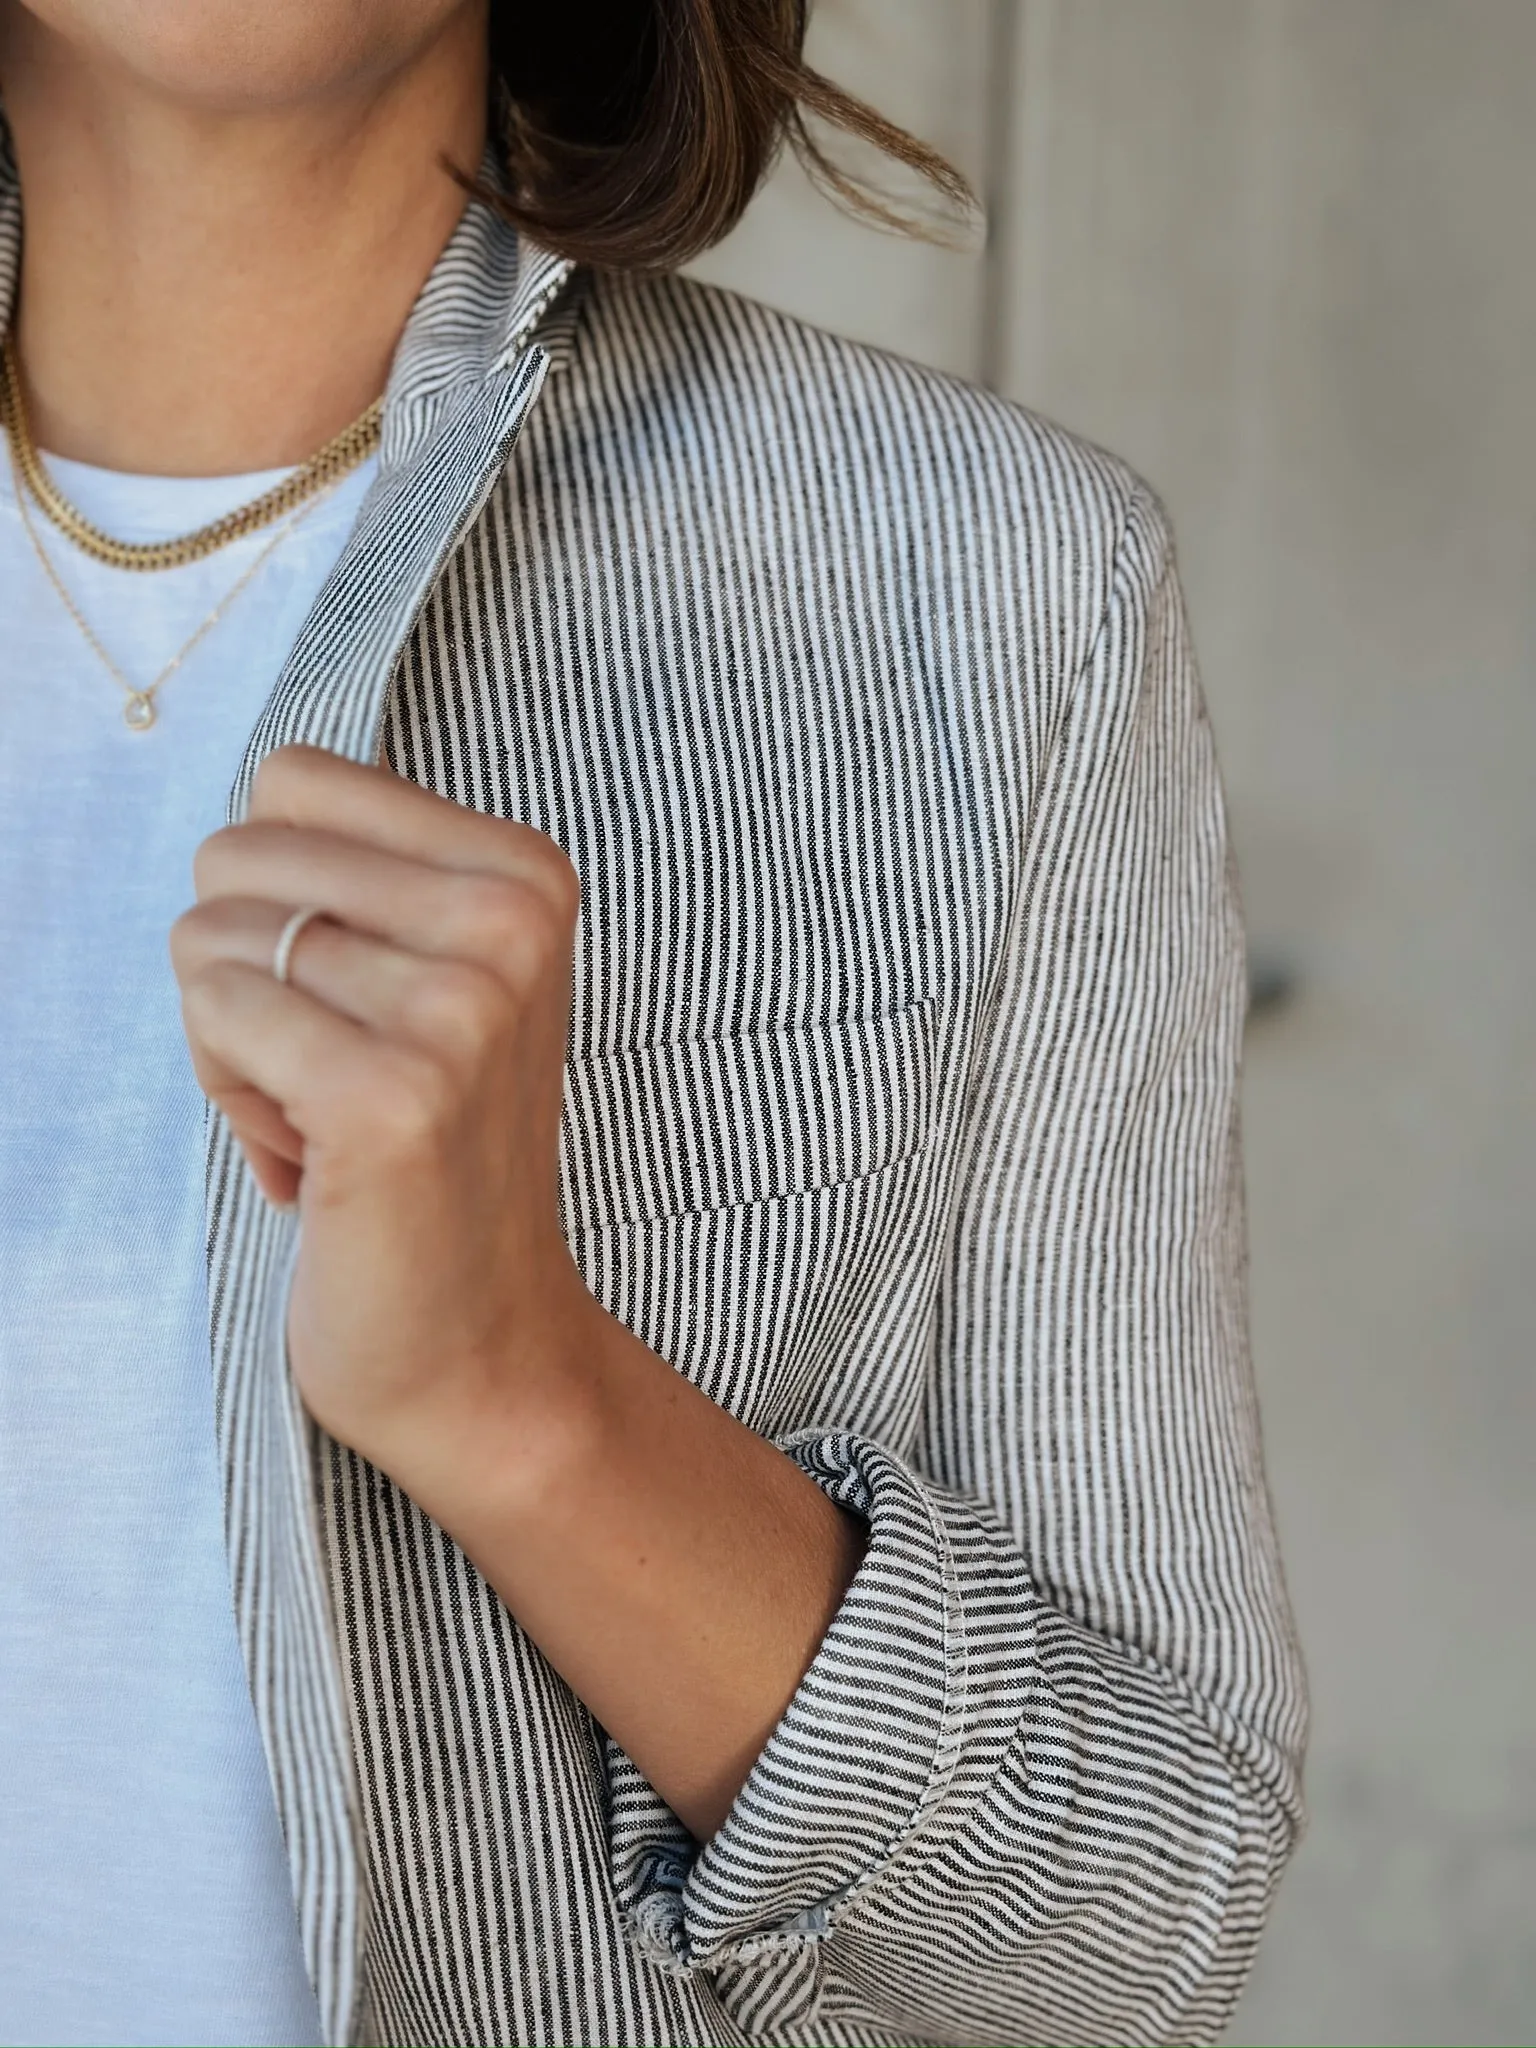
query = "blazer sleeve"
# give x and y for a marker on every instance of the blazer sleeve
(1042, 1776)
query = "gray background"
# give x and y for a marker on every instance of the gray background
(1279, 253)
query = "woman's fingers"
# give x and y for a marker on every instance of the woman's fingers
(512, 925)
(307, 789)
(250, 1033)
(258, 1121)
(277, 1177)
(447, 1006)
(438, 965)
(230, 928)
(365, 1047)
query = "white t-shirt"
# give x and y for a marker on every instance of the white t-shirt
(144, 1891)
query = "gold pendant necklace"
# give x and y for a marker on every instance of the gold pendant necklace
(139, 709)
(326, 467)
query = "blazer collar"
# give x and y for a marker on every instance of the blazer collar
(10, 225)
(475, 316)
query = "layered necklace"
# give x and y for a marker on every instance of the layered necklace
(285, 505)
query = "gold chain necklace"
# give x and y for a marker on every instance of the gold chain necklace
(324, 468)
(139, 711)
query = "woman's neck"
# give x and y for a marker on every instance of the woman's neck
(207, 291)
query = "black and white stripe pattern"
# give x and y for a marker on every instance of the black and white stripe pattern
(900, 1117)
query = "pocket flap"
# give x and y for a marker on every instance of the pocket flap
(703, 1123)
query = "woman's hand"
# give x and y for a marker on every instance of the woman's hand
(404, 1087)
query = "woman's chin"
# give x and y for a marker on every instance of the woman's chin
(228, 56)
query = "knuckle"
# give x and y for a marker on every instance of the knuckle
(525, 957)
(522, 921)
(193, 943)
(409, 1104)
(564, 884)
(208, 1076)
(205, 994)
(494, 909)
(196, 1005)
(453, 1004)
(283, 774)
(213, 858)
(186, 943)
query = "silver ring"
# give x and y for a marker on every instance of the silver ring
(288, 938)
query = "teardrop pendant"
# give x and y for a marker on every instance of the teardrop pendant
(139, 712)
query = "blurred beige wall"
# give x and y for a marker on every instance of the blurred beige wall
(1280, 254)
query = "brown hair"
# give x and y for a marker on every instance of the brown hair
(636, 131)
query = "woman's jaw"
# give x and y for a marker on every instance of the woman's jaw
(230, 57)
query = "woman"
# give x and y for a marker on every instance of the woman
(720, 993)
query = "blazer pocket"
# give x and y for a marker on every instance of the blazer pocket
(703, 1123)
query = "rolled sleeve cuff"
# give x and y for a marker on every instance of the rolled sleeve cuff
(863, 1754)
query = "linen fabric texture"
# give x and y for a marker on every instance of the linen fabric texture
(901, 1118)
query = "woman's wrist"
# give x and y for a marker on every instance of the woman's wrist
(513, 1430)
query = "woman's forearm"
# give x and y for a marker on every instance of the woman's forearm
(677, 1569)
(400, 1081)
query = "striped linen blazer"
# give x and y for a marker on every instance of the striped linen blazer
(900, 1117)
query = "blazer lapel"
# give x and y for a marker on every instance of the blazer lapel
(10, 225)
(465, 379)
